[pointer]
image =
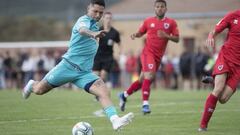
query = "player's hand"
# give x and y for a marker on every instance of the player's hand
(99, 34)
(162, 34)
(133, 36)
(210, 42)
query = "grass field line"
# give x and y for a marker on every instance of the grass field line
(92, 116)
(163, 104)
(132, 106)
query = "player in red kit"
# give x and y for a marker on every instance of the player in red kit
(159, 30)
(226, 70)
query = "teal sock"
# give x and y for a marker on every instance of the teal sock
(110, 111)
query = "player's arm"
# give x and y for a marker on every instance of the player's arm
(136, 35)
(162, 34)
(120, 48)
(210, 42)
(83, 27)
(142, 30)
(174, 34)
(118, 42)
(220, 26)
(174, 38)
(86, 32)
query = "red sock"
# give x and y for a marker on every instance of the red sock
(209, 108)
(146, 89)
(135, 86)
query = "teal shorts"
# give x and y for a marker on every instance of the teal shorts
(65, 72)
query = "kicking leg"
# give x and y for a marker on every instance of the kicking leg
(99, 89)
(39, 88)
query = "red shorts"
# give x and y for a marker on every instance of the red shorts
(225, 66)
(149, 62)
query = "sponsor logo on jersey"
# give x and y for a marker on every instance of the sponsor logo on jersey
(152, 25)
(82, 24)
(220, 67)
(235, 21)
(166, 25)
(150, 66)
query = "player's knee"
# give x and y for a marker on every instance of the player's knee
(217, 91)
(149, 76)
(104, 95)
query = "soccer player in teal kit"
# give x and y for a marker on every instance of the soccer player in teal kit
(77, 62)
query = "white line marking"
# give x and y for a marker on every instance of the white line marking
(132, 106)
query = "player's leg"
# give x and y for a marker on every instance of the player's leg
(226, 95)
(232, 83)
(107, 64)
(103, 75)
(97, 72)
(37, 87)
(149, 68)
(148, 77)
(51, 80)
(211, 102)
(134, 87)
(42, 87)
(104, 67)
(94, 85)
(98, 88)
(97, 66)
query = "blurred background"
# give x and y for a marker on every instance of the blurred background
(34, 34)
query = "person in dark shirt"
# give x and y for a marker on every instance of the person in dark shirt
(104, 57)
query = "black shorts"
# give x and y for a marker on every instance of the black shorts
(103, 63)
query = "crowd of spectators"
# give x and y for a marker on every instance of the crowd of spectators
(18, 66)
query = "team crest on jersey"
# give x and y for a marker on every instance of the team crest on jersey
(166, 25)
(150, 66)
(152, 25)
(235, 21)
(220, 67)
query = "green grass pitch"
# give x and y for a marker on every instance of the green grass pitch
(173, 113)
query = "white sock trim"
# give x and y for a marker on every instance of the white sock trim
(125, 94)
(145, 102)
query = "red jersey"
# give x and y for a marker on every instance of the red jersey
(231, 47)
(154, 44)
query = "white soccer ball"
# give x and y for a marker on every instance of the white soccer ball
(82, 128)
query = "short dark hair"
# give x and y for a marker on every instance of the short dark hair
(98, 2)
(163, 1)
